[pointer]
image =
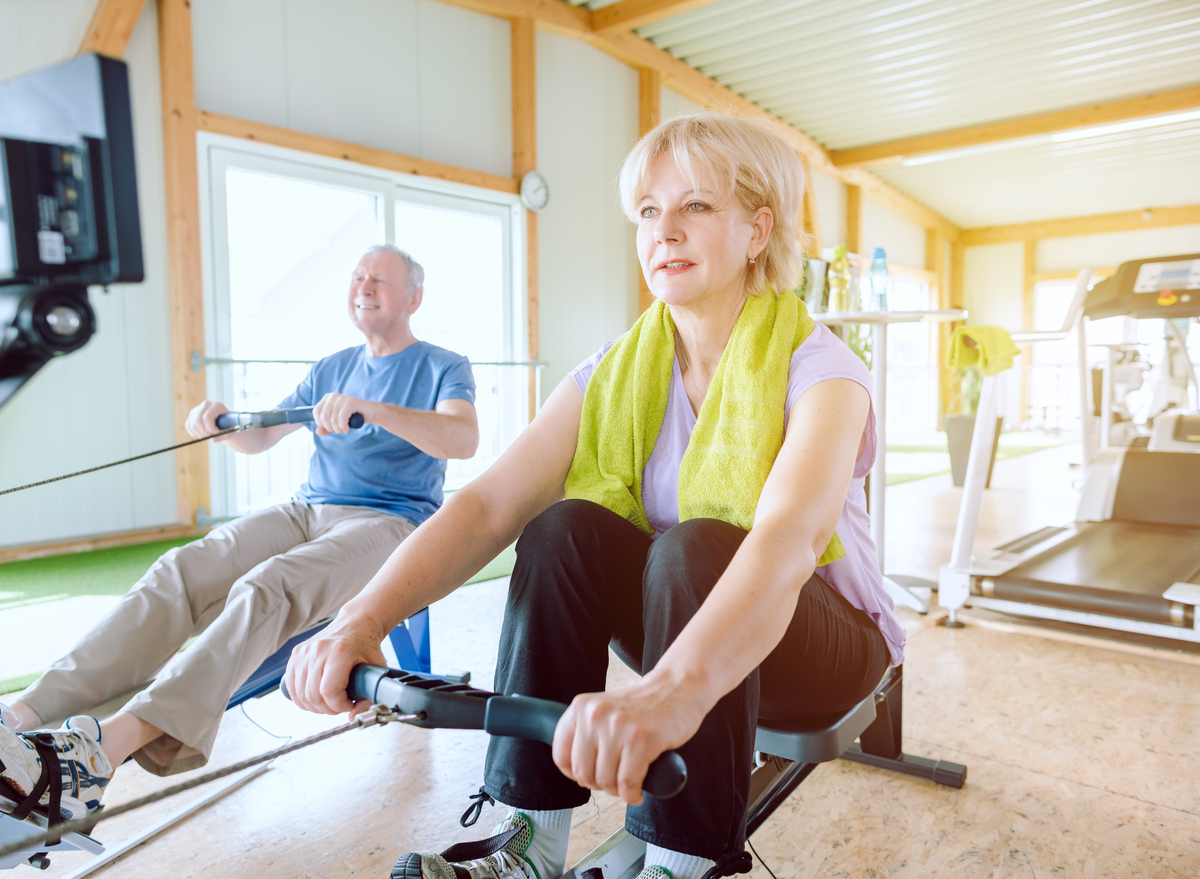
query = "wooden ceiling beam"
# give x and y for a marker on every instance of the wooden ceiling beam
(111, 27)
(1013, 129)
(1096, 224)
(629, 15)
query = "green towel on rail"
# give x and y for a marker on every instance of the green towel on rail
(992, 349)
(738, 433)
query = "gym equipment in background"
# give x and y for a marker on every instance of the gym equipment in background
(1130, 562)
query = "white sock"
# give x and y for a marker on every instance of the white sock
(551, 834)
(679, 865)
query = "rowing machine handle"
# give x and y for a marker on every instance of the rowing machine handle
(272, 417)
(528, 718)
(442, 705)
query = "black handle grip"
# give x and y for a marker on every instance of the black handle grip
(271, 417)
(527, 718)
(443, 705)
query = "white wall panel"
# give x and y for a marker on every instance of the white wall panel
(34, 35)
(587, 261)
(1057, 254)
(240, 58)
(412, 76)
(993, 281)
(831, 207)
(672, 104)
(112, 399)
(903, 240)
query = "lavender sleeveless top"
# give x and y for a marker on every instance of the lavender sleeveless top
(821, 357)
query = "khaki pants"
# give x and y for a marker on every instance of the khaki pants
(242, 590)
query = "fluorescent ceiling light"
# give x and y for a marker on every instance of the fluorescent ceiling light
(1058, 137)
(1131, 125)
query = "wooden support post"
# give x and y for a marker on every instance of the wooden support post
(183, 243)
(111, 27)
(1030, 279)
(524, 126)
(939, 297)
(649, 115)
(811, 222)
(854, 218)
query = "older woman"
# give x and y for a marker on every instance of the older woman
(714, 530)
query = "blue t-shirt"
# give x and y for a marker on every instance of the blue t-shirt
(370, 467)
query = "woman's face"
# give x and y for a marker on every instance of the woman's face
(694, 245)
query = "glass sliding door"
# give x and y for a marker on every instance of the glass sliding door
(284, 237)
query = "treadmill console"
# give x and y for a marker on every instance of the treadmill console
(1149, 288)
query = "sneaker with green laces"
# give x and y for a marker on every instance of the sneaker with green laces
(500, 856)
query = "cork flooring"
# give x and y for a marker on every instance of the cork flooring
(1084, 760)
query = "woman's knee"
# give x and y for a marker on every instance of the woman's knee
(689, 559)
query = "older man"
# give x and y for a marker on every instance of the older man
(250, 585)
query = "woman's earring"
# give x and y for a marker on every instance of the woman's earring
(752, 263)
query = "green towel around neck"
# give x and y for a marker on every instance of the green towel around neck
(992, 351)
(738, 433)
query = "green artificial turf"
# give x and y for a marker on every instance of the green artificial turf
(112, 572)
(917, 461)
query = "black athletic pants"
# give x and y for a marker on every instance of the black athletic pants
(586, 577)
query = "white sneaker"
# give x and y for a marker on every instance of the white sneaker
(501, 856)
(8, 717)
(82, 766)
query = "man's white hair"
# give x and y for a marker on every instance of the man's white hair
(416, 273)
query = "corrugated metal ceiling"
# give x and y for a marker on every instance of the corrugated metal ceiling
(857, 72)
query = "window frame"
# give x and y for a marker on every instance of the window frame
(219, 153)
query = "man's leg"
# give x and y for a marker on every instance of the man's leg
(181, 593)
(346, 546)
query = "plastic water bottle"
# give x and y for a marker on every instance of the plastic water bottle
(839, 281)
(878, 281)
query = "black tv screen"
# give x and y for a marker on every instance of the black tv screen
(68, 190)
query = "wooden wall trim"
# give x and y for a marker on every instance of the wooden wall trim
(1012, 129)
(351, 152)
(1096, 224)
(111, 27)
(184, 261)
(100, 541)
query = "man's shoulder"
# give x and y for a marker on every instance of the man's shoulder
(339, 358)
(440, 356)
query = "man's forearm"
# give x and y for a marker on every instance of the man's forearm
(437, 434)
(255, 440)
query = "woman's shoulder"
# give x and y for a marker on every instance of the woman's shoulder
(583, 372)
(823, 356)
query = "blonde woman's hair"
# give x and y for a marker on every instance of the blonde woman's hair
(745, 158)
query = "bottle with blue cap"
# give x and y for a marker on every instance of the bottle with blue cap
(877, 279)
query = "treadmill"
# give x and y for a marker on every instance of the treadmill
(1130, 561)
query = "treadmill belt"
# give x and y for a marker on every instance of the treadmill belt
(1117, 568)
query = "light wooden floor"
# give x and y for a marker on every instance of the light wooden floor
(1083, 761)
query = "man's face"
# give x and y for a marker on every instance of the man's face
(379, 296)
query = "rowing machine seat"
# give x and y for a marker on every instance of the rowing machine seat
(788, 754)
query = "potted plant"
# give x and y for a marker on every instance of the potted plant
(960, 426)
